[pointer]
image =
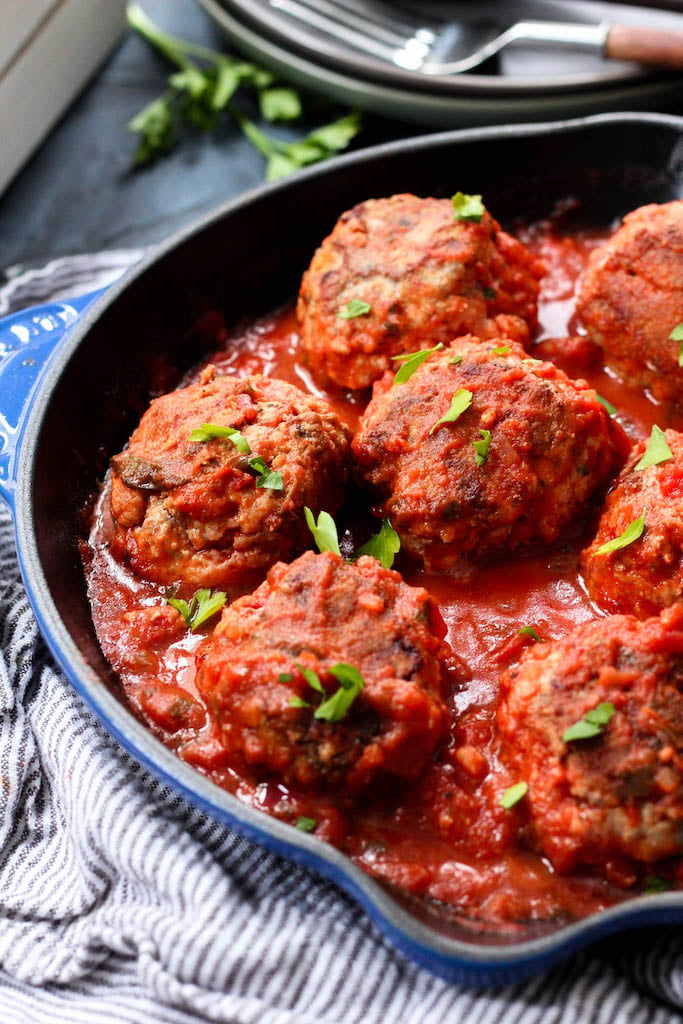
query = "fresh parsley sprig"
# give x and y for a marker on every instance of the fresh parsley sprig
(411, 361)
(592, 724)
(205, 86)
(202, 606)
(265, 476)
(333, 708)
(657, 451)
(384, 546)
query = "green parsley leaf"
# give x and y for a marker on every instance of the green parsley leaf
(353, 308)
(209, 431)
(467, 207)
(285, 677)
(657, 451)
(411, 361)
(591, 725)
(298, 702)
(202, 606)
(481, 448)
(324, 531)
(677, 335)
(528, 631)
(280, 104)
(608, 405)
(268, 478)
(502, 350)
(384, 546)
(285, 158)
(632, 532)
(306, 824)
(155, 124)
(336, 706)
(532, 361)
(461, 400)
(513, 794)
(312, 678)
(653, 883)
(455, 361)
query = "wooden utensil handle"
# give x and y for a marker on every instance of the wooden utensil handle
(662, 48)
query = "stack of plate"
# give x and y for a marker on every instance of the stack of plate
(523, 86)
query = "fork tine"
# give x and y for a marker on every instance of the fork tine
(404, 55)
(387, 18)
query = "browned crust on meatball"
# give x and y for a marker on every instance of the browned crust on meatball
(191, 511)
(646, 576)
(313, 614)
(619, 793)
(631, 298)
(427, 278)
(550, 451)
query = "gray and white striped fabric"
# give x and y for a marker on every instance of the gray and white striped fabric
(119, 902)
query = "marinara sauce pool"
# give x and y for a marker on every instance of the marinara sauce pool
(444, 838)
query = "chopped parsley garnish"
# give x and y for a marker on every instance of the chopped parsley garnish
(531, 361)
(502, 350)
(657, 450)
(467, 207)
(265, 477)
(411, 361)
(653, 883)
(608, 405)
(481, 448)
(333, 708)
(528, 631)
(209, 431)
(202, 606)
(513, 794)
(592, 723)
(306, 824)
(384, 546)
(352, 309)
(677, 335)
(632, 532)
(461, 400)
(455, 361)
(324, 531)
(285, 677)
(268, 478)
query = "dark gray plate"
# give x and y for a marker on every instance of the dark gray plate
(527, 86)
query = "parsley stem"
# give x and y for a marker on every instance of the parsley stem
(260, 141)
(170, 47)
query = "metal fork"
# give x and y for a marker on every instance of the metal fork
(375, 29)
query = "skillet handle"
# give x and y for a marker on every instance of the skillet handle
(28, 340)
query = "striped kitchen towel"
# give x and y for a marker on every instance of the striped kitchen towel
(120, 902)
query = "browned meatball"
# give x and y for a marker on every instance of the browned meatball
(197, 511)
(518, 465)
(426, 276)
(617, 794)
(647, 574)
(632, 298)
(314, 614)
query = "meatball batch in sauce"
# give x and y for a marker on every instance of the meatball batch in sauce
(593, 723)
(329, 675)
(631, 299)
(405, 273)
(481, 450)
(212, 487)
(635, 562)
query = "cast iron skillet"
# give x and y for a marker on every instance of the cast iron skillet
(65, 408)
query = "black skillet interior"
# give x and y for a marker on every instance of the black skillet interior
(248, 259)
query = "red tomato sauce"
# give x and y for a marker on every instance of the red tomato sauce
(444, 838)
